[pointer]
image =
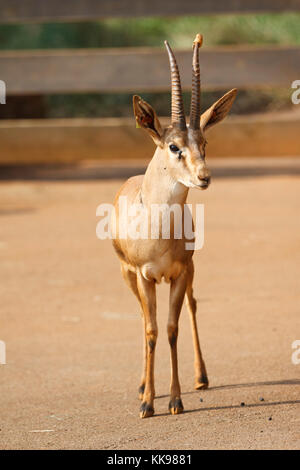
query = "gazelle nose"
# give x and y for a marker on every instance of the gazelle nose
(205, 180)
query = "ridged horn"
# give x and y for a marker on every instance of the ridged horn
(177, 110)
(196, 91)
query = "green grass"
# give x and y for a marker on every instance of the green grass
(280, 28)
(118, 105)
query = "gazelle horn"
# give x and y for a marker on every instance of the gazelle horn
(177, 111)
(195, 98)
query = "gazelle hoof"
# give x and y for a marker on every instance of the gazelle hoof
(201, 384)
(176, 406)
(146, 410)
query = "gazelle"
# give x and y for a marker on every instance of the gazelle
(177, 165)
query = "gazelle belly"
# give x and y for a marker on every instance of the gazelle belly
(163, 267)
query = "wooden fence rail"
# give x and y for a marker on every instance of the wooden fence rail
(72, 140)
(83, 10)
(113, 70)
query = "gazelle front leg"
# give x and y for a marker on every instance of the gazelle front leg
(148, 300)
(143, 380)
(177, 291)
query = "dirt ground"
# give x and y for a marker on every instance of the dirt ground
(73, 331)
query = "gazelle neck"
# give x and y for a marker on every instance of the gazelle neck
(159, 187)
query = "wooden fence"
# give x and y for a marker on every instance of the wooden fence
(138, 70)
(84, 10)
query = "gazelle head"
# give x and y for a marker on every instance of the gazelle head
(182, 147)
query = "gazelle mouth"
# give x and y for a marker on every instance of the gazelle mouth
(203, 185)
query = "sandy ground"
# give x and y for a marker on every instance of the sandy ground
(73, 331)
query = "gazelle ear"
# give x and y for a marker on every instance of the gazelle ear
(147, 119)
(218, 110)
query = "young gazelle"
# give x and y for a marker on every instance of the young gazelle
(177, 165)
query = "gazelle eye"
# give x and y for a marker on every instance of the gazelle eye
(173, 148)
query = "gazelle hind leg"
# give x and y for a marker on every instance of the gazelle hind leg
(131, 280)
(201, 380)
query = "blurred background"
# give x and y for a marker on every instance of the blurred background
(68, 67)
(264, 29)
(68, 141)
